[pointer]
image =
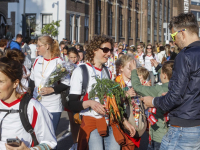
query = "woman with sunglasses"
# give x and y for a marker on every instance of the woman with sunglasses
(149, 54)
(92, 112)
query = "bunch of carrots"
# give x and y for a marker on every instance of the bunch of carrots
(113, 93)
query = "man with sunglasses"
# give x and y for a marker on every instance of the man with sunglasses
(183, 98)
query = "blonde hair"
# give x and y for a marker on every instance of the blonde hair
(122, 61)
(141, 71)
(54, 46)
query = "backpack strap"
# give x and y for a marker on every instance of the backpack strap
(8, 112)
(106, 70)
(85, 76)
(24, 117)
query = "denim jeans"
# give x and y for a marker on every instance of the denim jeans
(154, 146)
(56, 119)
(97, 142)
(182, 138)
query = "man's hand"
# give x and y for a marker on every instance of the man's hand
(147, 101)
(163, 94)
(132, 65)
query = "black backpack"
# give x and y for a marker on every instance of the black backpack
(23, 117)
(85, 76)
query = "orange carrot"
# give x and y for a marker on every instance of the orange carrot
(108, 103)
(115, 107)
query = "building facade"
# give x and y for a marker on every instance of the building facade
(131, 21)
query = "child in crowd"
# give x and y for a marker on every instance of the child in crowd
(73, 56)
(81, 56)
(143, 74)
(64, 54)
(157, 117)
(120, 54)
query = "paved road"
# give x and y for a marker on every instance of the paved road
(64, 143)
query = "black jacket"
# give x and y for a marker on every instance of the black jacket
(183, 98)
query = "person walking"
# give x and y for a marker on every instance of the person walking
(16, 44)
(183, 99)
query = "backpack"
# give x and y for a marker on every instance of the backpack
(141, 124)
(23, 116)
(85, 77)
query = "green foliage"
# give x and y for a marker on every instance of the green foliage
(51, 28)
(107, 87)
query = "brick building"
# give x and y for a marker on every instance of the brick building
(131, 21)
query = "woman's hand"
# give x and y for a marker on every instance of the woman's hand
(46, 90)
(97, 107)
(21, 147)
(129, 127)
(130, 93)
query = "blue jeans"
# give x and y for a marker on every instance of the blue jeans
(154, 145)
(183, 138)
(56, 119)
(97, 142)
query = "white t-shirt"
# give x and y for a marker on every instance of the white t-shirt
(39, 118)
(33, 50)
(141, 59)
(51, 102)
(147, 62)
(24, 81)
(76, 86)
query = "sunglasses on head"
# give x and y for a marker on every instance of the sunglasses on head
(106, 50)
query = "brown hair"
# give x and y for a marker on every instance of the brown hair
(121, 62)
(185, 21)
(11, 66)
(152, 52)
(94, 44)
(141, 71)
(167, 68)
(16, 55)
(3, 42)
(54, 47)
(19, 36)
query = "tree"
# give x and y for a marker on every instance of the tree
(51, 29)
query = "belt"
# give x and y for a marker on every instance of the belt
(180, 126)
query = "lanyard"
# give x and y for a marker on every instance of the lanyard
(95, 71)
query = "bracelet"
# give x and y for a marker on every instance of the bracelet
(34, 148)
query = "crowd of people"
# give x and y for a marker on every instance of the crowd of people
(160, 83)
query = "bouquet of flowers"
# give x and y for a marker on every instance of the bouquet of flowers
(61, 72)
(109, 94)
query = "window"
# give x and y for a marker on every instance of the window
(3, 26)
(149, 21)
(169, 10)
(120, 22)
(71, 27)
(30, 24)
(155, 20)
(197, 14)
(77, 23)
(86, 28)
(195, 2)
(46, 19)
(136, 19)
(129, 26)
(110, 13)
(98, 17)
(160, 22)
(165, 10)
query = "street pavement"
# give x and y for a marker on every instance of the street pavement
(65, 141)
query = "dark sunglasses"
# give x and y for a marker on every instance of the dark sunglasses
(106, 50)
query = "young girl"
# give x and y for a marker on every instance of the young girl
(64, 55)
(11, 126)
(73, 56)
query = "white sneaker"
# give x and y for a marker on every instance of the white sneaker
(74, 146)
(69, 128)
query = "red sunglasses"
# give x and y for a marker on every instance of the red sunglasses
(106, 50)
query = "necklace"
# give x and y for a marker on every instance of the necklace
(45, 67)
